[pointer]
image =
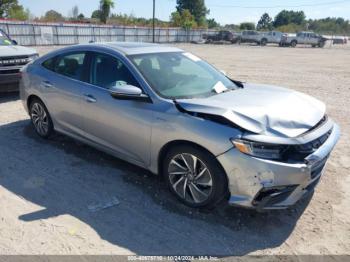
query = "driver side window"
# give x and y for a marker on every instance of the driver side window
(107, 71)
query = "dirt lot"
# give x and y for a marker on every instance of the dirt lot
(49, 190)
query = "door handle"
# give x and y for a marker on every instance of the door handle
(47, 84)
(90, 98)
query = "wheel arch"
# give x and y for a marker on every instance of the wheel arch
(31, 98)
(165, 149)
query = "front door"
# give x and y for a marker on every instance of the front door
(123, 126)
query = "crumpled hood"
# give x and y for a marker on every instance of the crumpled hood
(16, 50)
(262, 109)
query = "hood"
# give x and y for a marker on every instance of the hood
(262, 109)
(16, 50)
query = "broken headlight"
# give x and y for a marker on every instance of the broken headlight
(261, 150)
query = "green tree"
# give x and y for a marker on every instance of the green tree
(53, 16)
(231, 27)
(96, 14)
(265, 22)
(19, 13)
(289, 17)
(81, 16)
(11, 9)
(212, 23)
(290, 28)
(105, 8)
(247, 26)
(329, 25)
(196, 7)
(183, 19)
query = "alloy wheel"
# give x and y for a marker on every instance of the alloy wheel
(40, 119)
(190, 178)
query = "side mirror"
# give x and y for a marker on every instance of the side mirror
(14, 42)
(129, 92)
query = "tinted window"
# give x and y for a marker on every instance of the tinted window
(49, 64)
(70, 65)
(107, 71)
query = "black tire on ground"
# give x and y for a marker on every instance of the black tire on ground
(219, 186)
(293, 43)
(263, 42)
(41, 119)
(321, 44)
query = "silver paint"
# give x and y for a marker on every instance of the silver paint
(139, 131)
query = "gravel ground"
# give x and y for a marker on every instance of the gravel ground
(51, 192)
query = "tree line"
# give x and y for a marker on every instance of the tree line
(188, 14)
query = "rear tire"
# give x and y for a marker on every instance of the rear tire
(263, 42)
(40, 118)
(194, 176)
(293, 43)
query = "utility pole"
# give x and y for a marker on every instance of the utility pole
(154, 14)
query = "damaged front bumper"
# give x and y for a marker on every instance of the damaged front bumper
(266, 184)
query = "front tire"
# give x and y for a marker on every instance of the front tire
(293, 43)
(40, 118)
(194, 176)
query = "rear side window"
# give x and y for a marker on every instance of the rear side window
(70, 65)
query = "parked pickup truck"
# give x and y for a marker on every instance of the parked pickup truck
(12, 58)
(261, 38)
(304, 38)
(222, 35)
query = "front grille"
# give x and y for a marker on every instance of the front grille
(14, 61)
(11, 71)
(300, 152)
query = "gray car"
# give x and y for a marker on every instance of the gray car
(166, 110)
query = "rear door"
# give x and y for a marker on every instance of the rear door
(61, 86)
(313, 39)
(122, 126)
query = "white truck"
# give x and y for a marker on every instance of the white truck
(12, 58)
(261, 38)
(303, 38)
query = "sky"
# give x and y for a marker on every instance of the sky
(224, 11)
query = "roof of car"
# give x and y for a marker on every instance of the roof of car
(132, 48)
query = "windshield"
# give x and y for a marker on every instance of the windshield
(4, 40)
(181, 75)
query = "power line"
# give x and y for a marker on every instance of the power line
(281, 6)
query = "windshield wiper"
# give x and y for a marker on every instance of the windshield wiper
(237, 83)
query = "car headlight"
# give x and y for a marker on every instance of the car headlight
(33, 57)
(261, 150)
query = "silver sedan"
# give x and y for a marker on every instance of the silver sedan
(164, 109)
